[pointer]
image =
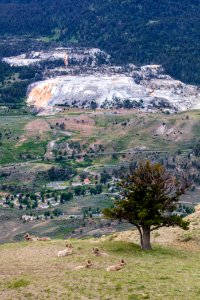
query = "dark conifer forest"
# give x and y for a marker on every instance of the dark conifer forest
(163, 32)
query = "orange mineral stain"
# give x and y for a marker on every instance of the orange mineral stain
(40, 95)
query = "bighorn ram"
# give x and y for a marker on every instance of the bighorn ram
(117, 267)
(67, 251)
(32, 238)
(96, 252)
(88, 265)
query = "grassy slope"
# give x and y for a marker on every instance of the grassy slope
(15, 145)
(33, 271)
(140, 131)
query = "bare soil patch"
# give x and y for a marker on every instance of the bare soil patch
(35, 127)
(82, 123)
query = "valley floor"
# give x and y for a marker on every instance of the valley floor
(33, 271)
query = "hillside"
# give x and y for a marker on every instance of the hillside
(101, 135)
(44, 157)
(33, 271)
(79, 139)
(141, 32)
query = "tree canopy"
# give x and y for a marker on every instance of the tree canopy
(149, 198)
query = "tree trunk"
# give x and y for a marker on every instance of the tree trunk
(140, 232)
(146, 234)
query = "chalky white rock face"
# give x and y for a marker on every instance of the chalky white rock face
(68, 89)
(87, 75)
(173, 92)
(155, 92)
(81, 55)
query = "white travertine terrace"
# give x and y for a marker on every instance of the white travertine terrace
(66, 89)
(88, 78)
(35, 57)
(83, 88)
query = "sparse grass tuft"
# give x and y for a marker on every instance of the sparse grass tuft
(18, 283)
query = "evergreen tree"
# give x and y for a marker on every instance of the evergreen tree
(149, 198)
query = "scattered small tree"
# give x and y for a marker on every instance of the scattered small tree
(66, 197)
(78, 190)
(148, 201)
(93, 191)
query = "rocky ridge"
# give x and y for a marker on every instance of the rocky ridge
(88, 56)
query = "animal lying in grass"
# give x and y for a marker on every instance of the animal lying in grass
(117, 267)
(67, 251)
(97, 252)
(32, 238)
(88, 265)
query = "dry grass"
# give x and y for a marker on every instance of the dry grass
(33, 271)
(171, 236)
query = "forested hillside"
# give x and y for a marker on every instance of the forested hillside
(137, 31)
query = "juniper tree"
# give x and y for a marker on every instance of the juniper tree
(149, 198)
